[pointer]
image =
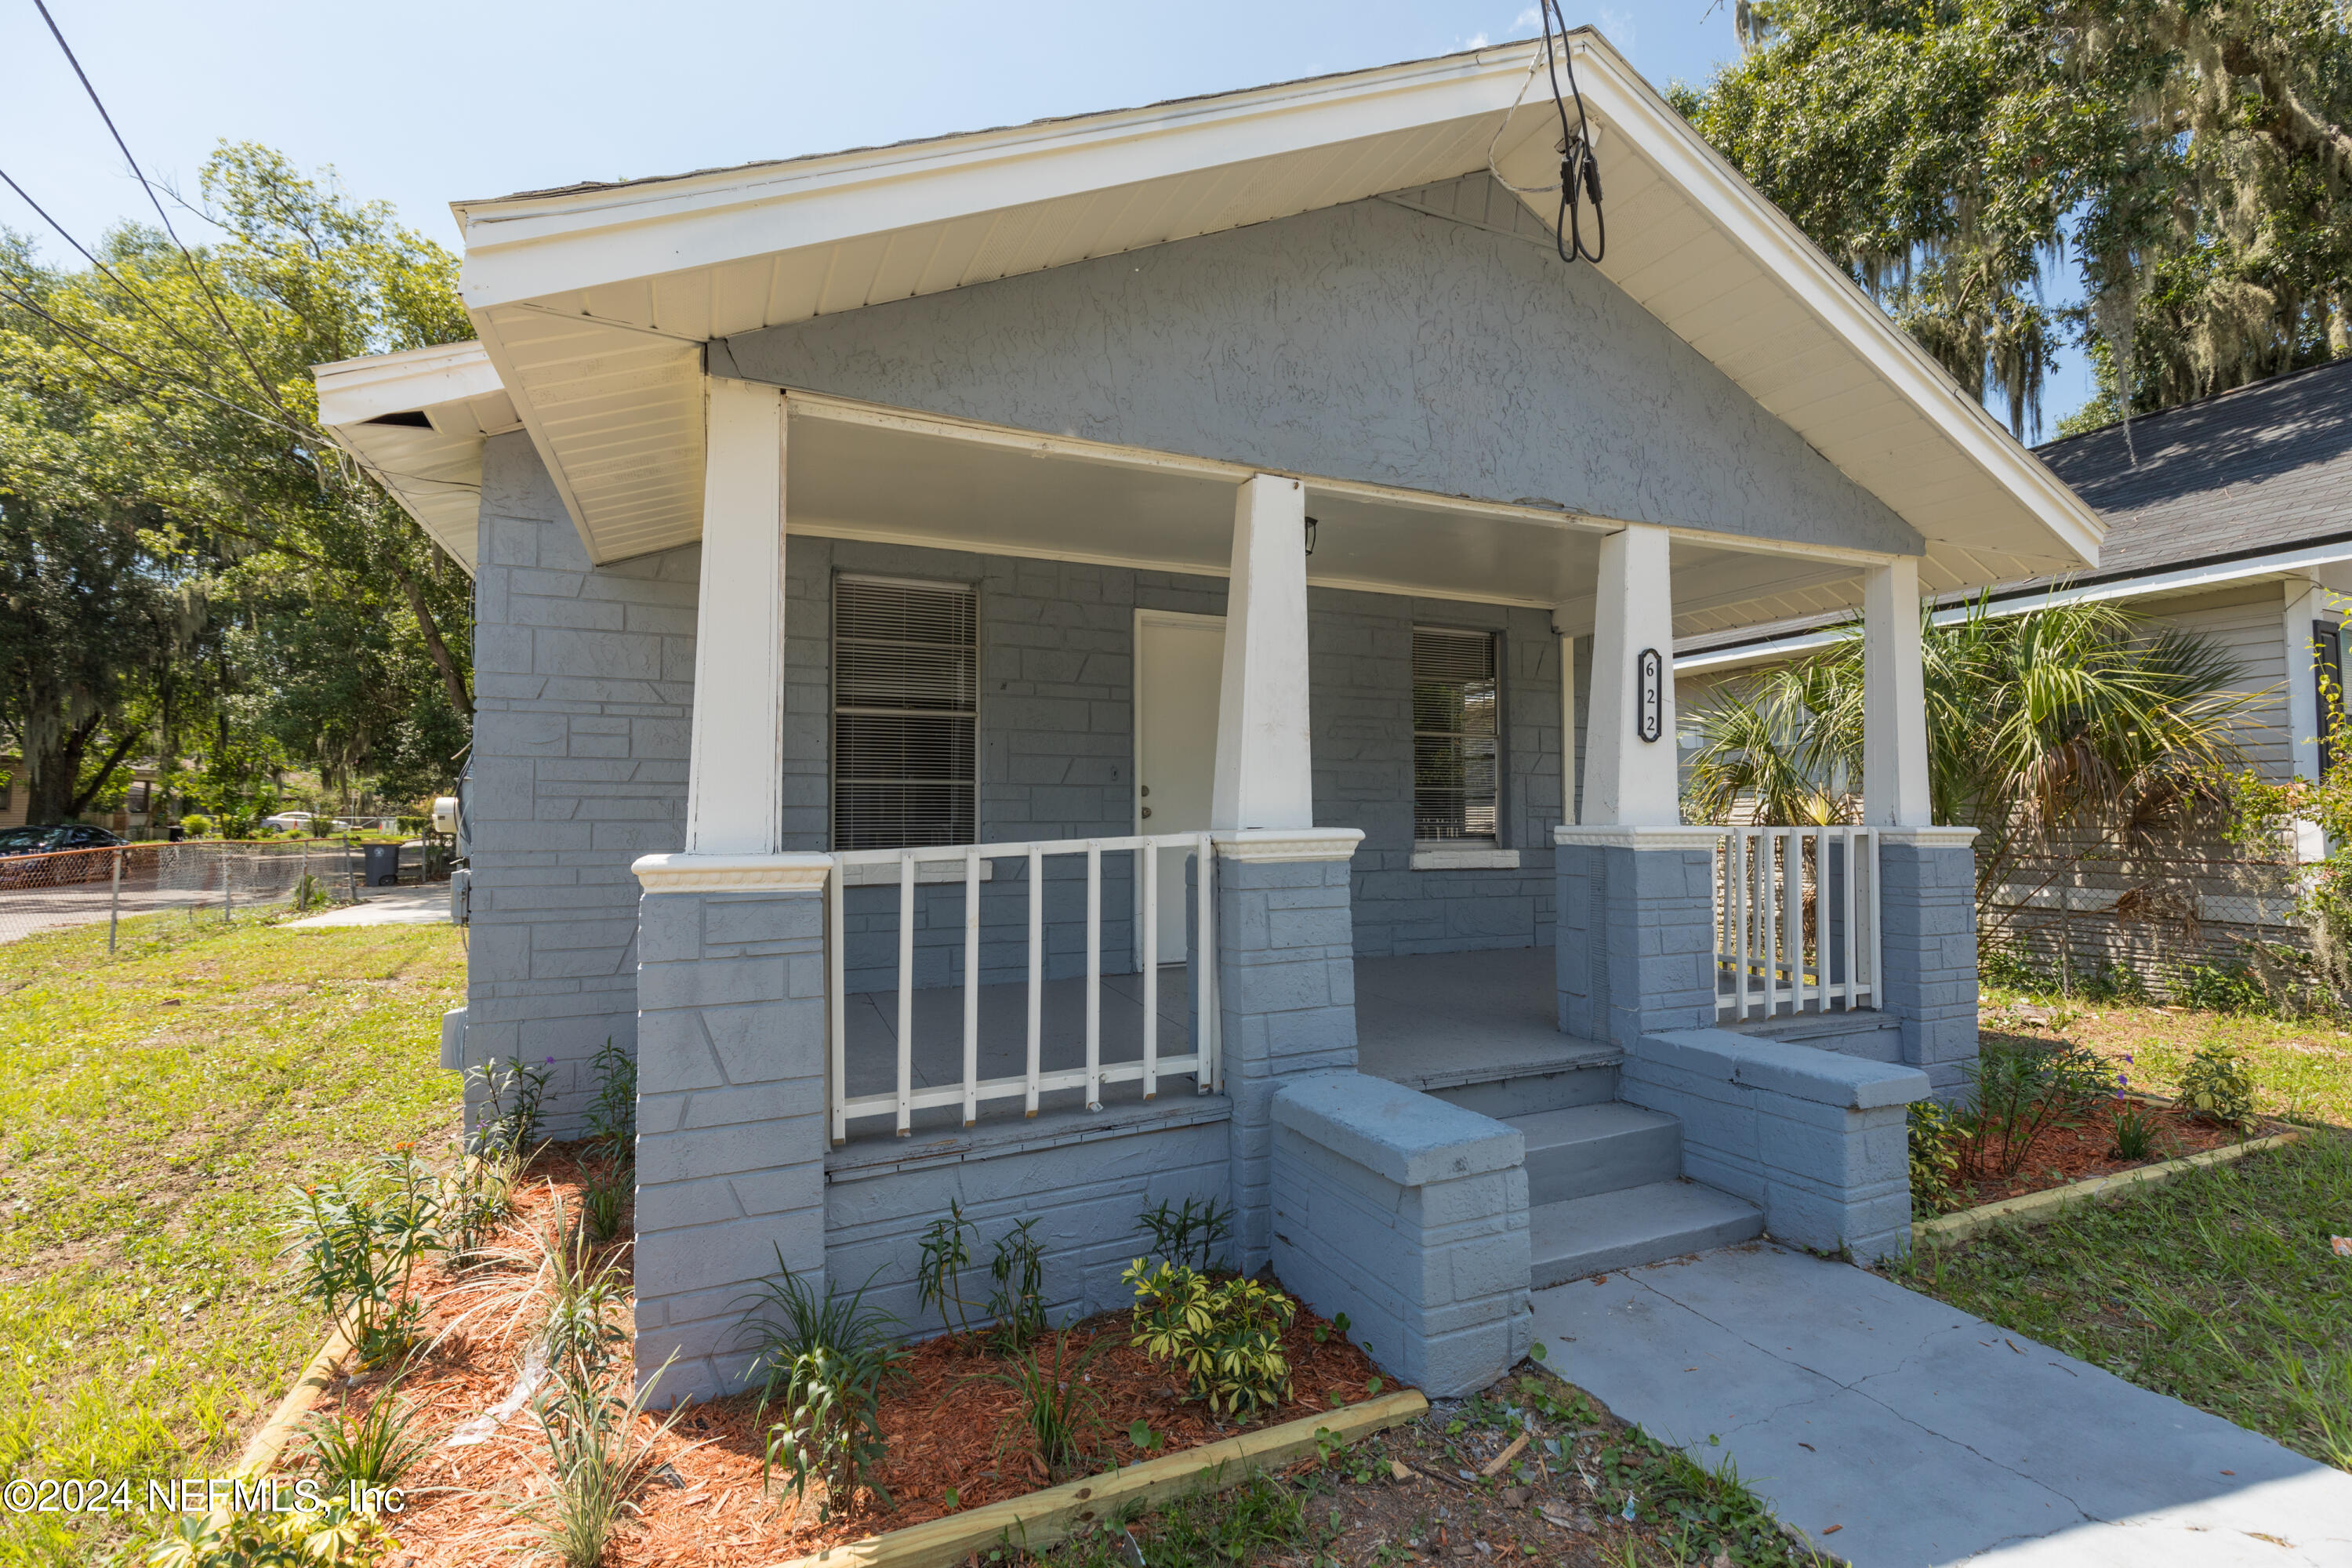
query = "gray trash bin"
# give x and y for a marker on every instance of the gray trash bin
(383, 865)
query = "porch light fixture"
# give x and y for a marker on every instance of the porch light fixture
(1650, 686)
(1310, 536)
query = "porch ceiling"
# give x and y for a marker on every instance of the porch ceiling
(859, 473)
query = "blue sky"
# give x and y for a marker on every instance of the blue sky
(429, 101)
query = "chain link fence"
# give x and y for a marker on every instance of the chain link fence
(2154, 912)
(88, 887)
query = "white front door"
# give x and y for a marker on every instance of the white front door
(1180, 662)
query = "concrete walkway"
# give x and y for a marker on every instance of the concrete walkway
(1928, 1435)
(411, 905)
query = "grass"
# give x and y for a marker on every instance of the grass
(2302, 1067)
(152, 1105)
(2220, 1288)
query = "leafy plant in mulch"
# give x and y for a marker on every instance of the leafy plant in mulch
(2217, 1088)
(1225, 1336)
(825, 1362)
(946, 1253)
(328, 1537)
(373, 1449)
(2019, 1090)
(513, 1097)
(359, 1239)
(1935, 1140)
(597, 1463)
(1016, 1306)
(1059, 1411)
(1187, 1236)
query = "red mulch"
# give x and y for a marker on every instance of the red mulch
(2078, 1152)
(944, 1430)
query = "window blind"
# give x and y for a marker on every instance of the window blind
(1456, 736)
(905, 697)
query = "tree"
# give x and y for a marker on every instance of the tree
(2189, 154)
(170, 389)
(2068, 731)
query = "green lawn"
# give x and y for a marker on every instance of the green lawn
(2220, 1288)
(152, 1106)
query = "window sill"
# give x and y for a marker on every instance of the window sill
(926, 873)
(1466, 858)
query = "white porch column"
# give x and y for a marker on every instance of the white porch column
(1631, 781)
(1264, 771)
(735, 785)
(2305, 716)
(1893, 698)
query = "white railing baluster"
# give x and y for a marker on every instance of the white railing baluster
(1767, 952)
(1036, 973)
(1147, 860)
(836, 1001)
(1094, 976)
(1765, 903)
(906, 992)
(970, 984)
(1735, 849)
(1818, 926)
(1871, 947)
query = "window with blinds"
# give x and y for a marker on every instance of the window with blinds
(1456, 737)
(906, 698)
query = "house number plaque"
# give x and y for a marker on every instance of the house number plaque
(1650, 703)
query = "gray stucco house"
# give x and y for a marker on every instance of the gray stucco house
(1120, 659)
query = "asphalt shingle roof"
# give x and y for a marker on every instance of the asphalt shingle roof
(2261, 468)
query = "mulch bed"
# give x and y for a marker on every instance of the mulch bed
(2079, 1151)
(714, 1505)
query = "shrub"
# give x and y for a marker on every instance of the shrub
(331, 1537)
(2137, 1130)
(2217, 1088)
(1017, 1303)
(2019, 1090)
(512, 1097)
(1059, 1408)
(2011, 969)
(1226, 1337)
(1934, 1138)
(2215, 988)
(946, 1254)
(376, 1449)
(197, 825)
(360, 1239)
(826, 1362)
(596, 1467)
(605, 1188)
(583, 1298)
(1185, 1235)
(613, 1114)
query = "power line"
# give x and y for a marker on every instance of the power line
(260, 382)
(137, 296)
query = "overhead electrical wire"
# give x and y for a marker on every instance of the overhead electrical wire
(1579, 166)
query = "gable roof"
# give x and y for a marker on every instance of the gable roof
(2241, 473)
(594, 302)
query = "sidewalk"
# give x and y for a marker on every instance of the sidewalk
(425, 905)
(1926, 1436)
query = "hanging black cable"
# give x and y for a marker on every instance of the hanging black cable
(1580, 170)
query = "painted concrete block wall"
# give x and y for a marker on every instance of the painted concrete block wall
(1928, 945)
(1636, 949)
(1287, 1007)
(1360, 652)
(583, 691)
(1363, 342)
(1410, 1215)
(1084, 1179)
(731, 1122)
(1814, 1138)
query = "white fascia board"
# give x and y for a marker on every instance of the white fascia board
(532, 248)
(1770, 235)
(354, 391)
(2155, 584)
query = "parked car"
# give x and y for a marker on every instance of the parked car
(290, 821)
(42, 856)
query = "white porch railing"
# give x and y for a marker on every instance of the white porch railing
(1200, 1062)
(1796, 920)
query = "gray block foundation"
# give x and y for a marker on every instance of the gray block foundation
(731, 1122)
(1928, 910)
(1816, 1139)
(1410, 1215)
(1636, 943)
(1286, 1007)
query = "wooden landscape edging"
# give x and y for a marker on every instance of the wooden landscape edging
(2035, 1208)
(268, 1445)
(1043, 1518)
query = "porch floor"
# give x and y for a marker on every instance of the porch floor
(1432, 1021)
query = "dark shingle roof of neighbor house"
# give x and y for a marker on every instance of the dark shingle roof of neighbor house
(2245, 472)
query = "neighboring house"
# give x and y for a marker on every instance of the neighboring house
(1038, 668)
(129, 817)
(2230, 518)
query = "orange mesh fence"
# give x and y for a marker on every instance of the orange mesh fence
(82, 886)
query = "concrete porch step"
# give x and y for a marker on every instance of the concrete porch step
(1590, 1149)
(1635, 1225)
